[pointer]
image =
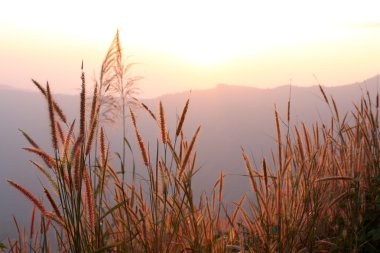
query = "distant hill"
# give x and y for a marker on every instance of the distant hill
(231, 117)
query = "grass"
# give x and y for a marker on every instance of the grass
(321, 194)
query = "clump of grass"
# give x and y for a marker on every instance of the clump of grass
(320, 192)
(89, 206)
(323, 194)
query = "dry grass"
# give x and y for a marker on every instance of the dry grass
(321, 195)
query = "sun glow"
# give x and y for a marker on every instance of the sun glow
(203, 32)
(216, 39)
(212, 32)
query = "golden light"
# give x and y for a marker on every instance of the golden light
(240, 42)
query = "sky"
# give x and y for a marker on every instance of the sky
(186, 45)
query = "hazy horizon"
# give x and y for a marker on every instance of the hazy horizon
(197, 45)
(32, 88)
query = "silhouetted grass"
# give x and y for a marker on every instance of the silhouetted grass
(321, 195)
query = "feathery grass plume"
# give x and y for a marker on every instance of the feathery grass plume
(103, 152)
(77, 168)
(68, 140)
(323, 94)
(164, 177)
(76, 154)
(182, 119)
(28, 195)
(39, 86)
(50, 161)
(117, 88)
(60, 132)
(109, 107)
(149, 111)
(77, 145)
(264, 166)
(187, 155)
(163, 124)
(220, 192)
(91, 136)
(279, 139)
(335, 109)
(53, 129)
(133, 117)
(94, 104)
(82, 105)
(107, 67)
(143, 150)
(322, 90)
(53, 204)
(57, 109)
(93, 119)
(90, 200)
(30, 140)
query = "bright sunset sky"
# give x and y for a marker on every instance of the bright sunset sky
(183, 45)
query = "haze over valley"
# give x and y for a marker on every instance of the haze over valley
(231, 118)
